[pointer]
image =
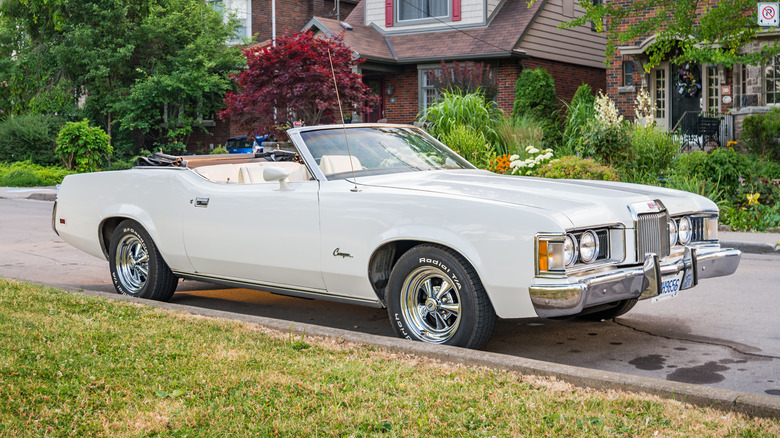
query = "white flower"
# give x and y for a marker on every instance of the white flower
(533, 150)
(514, 157)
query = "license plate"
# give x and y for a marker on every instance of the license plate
(670, 286)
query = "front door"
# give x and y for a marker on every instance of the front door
(686, 95)
(372, 113)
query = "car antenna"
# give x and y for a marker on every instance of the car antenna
(343, 126)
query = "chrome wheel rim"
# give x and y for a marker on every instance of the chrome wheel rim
(132, 264)
(431, 305)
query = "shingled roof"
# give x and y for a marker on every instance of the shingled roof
(498, 39)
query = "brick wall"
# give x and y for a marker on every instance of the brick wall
(568, 77)
(402, 106)
(291, 16)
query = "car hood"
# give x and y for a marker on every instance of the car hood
(581, 202)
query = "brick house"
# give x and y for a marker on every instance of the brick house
(726, 94)
(256, 23)
(402, 40)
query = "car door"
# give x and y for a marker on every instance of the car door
(256, 233)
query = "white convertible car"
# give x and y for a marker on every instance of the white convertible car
(386, 216)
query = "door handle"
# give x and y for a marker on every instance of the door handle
(202, 202)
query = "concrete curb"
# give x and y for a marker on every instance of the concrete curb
(750, 404)
(43, 196)
(752, 247)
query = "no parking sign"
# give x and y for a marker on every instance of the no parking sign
(768, 14)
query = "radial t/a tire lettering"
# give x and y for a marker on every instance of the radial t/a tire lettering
(435, 296)
(137, 268)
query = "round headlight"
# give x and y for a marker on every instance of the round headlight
(589, 246)
(569, 250)
(672, 225)
(686, 230)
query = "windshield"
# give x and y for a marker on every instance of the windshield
(378, 150)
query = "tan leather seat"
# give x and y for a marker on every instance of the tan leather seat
(332, 164)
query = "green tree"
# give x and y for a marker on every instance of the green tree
(702, 31)
(147, 67)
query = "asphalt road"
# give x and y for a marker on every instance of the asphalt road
(725, 333)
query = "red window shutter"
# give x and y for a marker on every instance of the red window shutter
(455, 10)
(388, 13)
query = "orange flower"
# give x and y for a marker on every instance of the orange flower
(500, 164)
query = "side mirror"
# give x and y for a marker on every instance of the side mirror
(274, 173)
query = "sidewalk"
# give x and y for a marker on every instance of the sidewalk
(754, 243)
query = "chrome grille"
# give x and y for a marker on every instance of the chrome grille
(699, 230)
(652, 235)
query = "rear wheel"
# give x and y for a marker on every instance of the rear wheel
(436, 296)
(137, 268)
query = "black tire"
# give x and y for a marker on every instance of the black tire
(621, 309)
(435, 296)
(137, 268)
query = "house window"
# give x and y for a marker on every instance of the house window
(428, 94)
(240, 10)
(593, 23)
(660, 94)
(420, 9)
(713, 90)
(217, 5)
(772, 81)
(629, 67)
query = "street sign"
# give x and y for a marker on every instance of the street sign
(768, 14)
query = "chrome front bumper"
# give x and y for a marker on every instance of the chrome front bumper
(640, 282)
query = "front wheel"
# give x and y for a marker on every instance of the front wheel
(137, 268)
(435, 296)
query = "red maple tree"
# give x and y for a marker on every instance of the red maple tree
(293, 81)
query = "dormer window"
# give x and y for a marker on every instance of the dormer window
(408, 12)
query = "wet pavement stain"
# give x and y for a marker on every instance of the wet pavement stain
(702, 374)
(773, 391)
(650, 363)
(615, 343)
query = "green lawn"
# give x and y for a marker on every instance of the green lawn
(77, 365)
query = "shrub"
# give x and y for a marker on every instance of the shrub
(27, 174)
(473, 110)
(573, 167)
(654, 150)
(219, 150)
(31, 138)
(760, 134)
(535, 96)
(81, 146)
(466, 141)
